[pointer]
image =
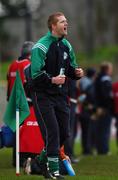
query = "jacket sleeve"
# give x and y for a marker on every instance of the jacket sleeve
(73, 64)
(37, 63)
(106, 90)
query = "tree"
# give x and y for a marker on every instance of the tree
(24, 9)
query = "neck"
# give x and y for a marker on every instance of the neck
(23, 57)
(56, 34)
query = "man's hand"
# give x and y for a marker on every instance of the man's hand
(60, 79)
(79, 72)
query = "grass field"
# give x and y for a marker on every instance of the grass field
(88, 168)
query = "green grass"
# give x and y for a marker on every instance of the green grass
(89, 167)
(4, 70)
(107, 53)
(104, 53)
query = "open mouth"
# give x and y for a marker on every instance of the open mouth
(65, 28)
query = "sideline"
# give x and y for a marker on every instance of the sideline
(3, 83)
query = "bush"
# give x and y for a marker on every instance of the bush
(107, 53)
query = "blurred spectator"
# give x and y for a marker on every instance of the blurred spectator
(26, 147)
(103, 88)
(87, 101)
(19, 64)
(69, 145)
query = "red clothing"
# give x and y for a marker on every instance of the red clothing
(30, 136)
(11, 75)
(115, 96)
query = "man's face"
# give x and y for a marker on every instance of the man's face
(60, 28)
(110, 70)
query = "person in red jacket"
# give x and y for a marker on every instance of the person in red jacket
(19, 65)
(30, 126)
(115, 97)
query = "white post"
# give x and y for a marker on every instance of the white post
(17, 143)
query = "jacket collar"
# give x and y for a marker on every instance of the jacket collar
(55, 38)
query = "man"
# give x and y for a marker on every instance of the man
(52, 62)
(87, 90)
(103, 90)
(69, 144)
(20, 65)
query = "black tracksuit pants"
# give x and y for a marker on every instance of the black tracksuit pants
(52, 113)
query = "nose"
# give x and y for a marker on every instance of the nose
(66, 23)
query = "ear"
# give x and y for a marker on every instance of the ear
(53, 26)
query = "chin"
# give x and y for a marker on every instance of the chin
(65, 34)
